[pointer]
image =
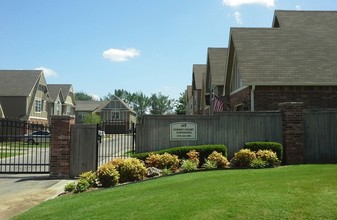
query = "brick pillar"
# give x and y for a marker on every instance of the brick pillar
(60, 146)
(293, 132)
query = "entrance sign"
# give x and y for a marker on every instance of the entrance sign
(183, 131)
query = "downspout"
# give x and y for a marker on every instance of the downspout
(252, 98)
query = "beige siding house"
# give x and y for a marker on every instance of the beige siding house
(198, 88)
(24, 95)
(63, 99)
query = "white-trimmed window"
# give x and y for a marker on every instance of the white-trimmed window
(38, 105)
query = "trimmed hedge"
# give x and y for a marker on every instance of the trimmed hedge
(181, 152)
(273, 146)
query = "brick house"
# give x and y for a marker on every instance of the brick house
(294, 61)
(198, 88)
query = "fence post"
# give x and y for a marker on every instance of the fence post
(60, 146)
(293, 132)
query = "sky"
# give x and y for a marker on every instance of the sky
(145, 46)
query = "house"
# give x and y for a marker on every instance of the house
(215, 77)
(293, 61)
(24, 95)
(189, 101)
(198, 88)
(63, 99)
(110, 111)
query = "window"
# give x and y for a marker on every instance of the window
(58, 108)
(114, 115)
(38, 105)
(68, 110)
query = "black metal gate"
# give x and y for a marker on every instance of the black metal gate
(24, 147)
(116, 139)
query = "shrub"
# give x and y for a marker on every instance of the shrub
(243, 158)
(258, 163)
(220, 160)
(90, 177)
(69, 187)
(204, 151)
(273, 146)
(130, 169)
(107, 175)
(162, 161)
(209, 164)
(189, 165)
(193, 155)
(166, 172)
(81, 186)
(268, 156)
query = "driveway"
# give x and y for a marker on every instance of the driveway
(20, 192)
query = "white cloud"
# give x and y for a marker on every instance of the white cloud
(95, 97)
(47, 72)
(237, 3)
(298, 7)
(117, 55)
(238, 17)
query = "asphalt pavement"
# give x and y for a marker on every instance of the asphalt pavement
(20, 192)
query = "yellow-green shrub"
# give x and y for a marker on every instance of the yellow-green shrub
(162, 161)
(130, 169)
(90, 177)
(220, 160)
(243, 158)
(107, 175)
(193, 155)
(268, 156)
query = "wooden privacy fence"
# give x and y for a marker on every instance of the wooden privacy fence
(230, 128)
(320, 136)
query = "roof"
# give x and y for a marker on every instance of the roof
(217, 64)
(54, 91)
(301, 55)
(90, 106)
(18, 82)
(199, 72)
(304, 19)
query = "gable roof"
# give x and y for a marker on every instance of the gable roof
(55, 91)
(90, 106)
(216, 63)
(199, 74)
(286, 56)
(18, 82)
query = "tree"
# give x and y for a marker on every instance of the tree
(82, 96)
(140, 103)
(180, 106)
(160, 104)
(93, 118)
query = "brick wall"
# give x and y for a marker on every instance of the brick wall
(268, 97)
(60, 146)
(241, 97)
(293, 132)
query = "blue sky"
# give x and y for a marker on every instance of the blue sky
(148, 46)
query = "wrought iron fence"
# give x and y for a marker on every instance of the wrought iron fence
(24, 147)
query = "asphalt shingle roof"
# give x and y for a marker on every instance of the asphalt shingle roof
(18, 82)
(302, 51)
(199, 72)
(217, 64)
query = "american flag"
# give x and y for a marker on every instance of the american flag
(217, 104)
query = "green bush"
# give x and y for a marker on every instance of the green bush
(209, 165)
(69, 187)
(268, 156)
(107, 175)
(189, 165)
(181, 152)
(130, 169)
(81, 186)
(258, 163)
(273, 146)
(162, 161)
(90, 177)
(220, 160)
(243, 158)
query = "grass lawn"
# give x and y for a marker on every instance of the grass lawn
(289, 192)
(4, 154)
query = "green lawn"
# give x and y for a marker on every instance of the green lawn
(5, 154)
(289, 192)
